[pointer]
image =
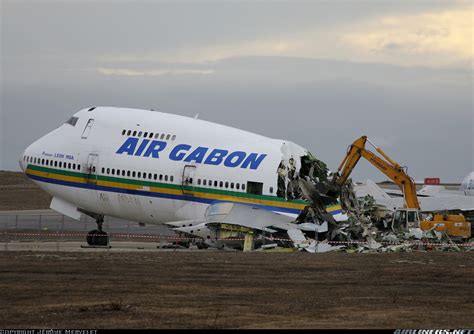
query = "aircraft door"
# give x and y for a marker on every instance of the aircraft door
(188, 181)
(92, 167)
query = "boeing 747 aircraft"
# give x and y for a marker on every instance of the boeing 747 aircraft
(154, 168)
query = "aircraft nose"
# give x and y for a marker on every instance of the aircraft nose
(22, 161)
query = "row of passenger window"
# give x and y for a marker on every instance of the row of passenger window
(220, 184)
(149, 135)
(170, 178)
(135, 174)
(51, 163)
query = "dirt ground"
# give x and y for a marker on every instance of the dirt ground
(17, 192)
(211, 289)
(205, 289)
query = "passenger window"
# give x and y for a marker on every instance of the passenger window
(168, 137)
(151, 135)
(139, 134)
(161, 177)
(155, 176)
(113, 171)
(149, 176)
(171, 178)
(243, 186)
(103, 170)
(128, 173)
(204, 182)
(215, 183)
(199, 182)
(174, 137)
(134, 133)
(166, 177)
(139, 174)
(271, 190)
(129, 132)
(227, 184)
(237, 186)
(69, 166)
(157, 136)
(221, 184)
(145, 135)
(123, 132)
(55, 164)
(133, 174)
(232, 185)
(108, 170)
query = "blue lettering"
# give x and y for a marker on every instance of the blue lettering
(254, 160)
(237, 154)
(142, 147)
(149, 148)
(216, 157)
(174, 155)
(128, 147)
(154, 148)
(197, 155)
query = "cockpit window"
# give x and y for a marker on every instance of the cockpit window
(73, 120)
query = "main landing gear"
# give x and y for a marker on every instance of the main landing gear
(98, 237)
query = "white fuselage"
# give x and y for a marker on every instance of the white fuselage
(154, 167)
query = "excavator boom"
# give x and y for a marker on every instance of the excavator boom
(386, 165)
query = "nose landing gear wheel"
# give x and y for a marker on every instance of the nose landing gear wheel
(97, 238)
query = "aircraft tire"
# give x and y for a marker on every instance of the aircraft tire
(97, 238)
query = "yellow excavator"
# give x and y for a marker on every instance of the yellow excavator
(409, 215)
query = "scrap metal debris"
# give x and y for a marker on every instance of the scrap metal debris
(369, 226)
(366, 226)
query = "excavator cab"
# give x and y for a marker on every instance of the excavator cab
(405, 218)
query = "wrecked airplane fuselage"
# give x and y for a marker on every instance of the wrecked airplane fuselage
(365, 226)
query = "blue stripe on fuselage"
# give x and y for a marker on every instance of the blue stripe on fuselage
(154, 194)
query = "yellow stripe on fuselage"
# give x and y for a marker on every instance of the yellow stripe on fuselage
(162, 190)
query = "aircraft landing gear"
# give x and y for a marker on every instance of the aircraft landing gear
(98, 237)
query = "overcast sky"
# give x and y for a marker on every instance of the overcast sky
(318, 73)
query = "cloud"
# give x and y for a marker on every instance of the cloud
(435, 38)
(442, 38)
(152, 72)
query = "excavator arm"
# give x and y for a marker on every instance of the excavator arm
(386, 165)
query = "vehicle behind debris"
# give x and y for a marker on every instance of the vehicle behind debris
(409, 216)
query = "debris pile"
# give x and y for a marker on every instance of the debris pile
(368, 227)
(362, 226)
